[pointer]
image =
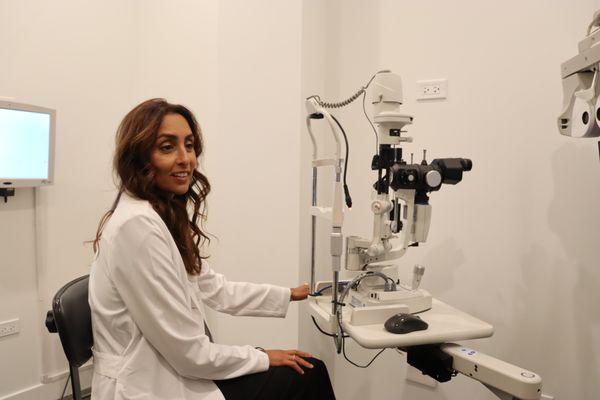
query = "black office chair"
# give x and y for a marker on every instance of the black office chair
(71, 318)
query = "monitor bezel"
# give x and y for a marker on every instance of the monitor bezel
(6, 182)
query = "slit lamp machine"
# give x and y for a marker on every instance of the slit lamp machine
(580, 116)
(374, 308)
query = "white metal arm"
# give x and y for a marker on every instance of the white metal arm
(505, 380)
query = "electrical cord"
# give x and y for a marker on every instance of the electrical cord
(320, 291)
(356, 281)
(420, 312)
(344, 345)
(343, 336)
(385, 277)
(346, 191)
(352, 362)
(344, 349)
(362, 91)
(341, 284)
(321, 330)
(350, 99)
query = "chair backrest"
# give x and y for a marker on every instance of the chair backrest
(73, 320)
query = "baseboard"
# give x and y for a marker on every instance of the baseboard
(52, 390)
(63, 375)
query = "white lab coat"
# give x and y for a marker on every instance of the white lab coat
(149, 339)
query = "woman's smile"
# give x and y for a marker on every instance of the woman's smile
(182, 177)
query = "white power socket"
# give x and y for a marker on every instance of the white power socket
(547, 397)
(432, 89)
(8, 328)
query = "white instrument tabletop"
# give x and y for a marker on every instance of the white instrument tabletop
(446, 324)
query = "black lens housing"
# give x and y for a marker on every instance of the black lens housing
(414, 176)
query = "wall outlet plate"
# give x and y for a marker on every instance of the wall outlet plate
(8, 328)
(547, 397)
(432, 89)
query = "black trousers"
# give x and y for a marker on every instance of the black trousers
(281, 383)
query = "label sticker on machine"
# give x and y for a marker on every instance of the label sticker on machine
(468, 351)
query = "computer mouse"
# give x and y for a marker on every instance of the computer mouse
(405, 323)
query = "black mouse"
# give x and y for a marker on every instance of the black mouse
(405, 323)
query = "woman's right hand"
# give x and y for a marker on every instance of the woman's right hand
(291, 358)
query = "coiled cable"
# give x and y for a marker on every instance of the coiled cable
(342, 103)
(349, 100)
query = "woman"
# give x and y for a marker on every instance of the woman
(149, 277)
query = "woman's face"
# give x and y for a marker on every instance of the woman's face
(173, 157)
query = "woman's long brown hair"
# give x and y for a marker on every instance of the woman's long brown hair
(135, 140)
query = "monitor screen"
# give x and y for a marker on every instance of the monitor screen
(26, 145)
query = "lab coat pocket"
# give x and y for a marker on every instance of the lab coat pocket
(148, 376)
(107, 365)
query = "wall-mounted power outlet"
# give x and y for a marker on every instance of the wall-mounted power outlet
(432, 89)
(9, 327)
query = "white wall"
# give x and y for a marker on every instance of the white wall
(58, 55)
(92, 62)
(254, 160)
(512, 244)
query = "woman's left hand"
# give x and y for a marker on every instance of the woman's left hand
(290, 358)
(299, 293)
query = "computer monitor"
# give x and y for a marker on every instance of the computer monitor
(26, 145)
